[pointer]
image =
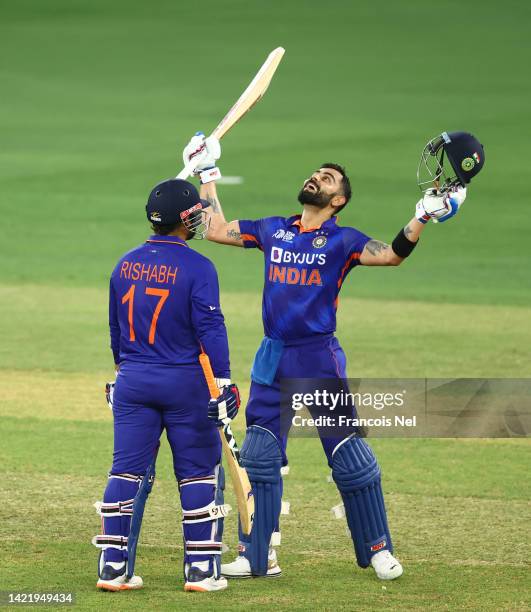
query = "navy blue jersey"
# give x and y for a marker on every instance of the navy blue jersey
(304, 271)
(164, 307)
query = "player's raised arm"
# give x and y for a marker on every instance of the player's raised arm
(434, 205)
(206, 152)
(219, 229)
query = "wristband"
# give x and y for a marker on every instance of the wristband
(402, 246)
(222, 382)
(209, 175)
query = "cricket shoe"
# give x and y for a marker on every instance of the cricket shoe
(241, 568)
(113, 578)
(198, 580)
(386, 566)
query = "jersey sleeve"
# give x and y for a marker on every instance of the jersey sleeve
(354, 242)
(253, 233)
(114, 326)
(208, 320)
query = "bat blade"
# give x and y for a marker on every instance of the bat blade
(252, 94)
(240, 481)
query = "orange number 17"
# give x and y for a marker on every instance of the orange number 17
(130, 297)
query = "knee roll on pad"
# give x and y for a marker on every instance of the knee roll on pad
(262, 458)
(357, 476)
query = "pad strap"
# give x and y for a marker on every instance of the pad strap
(212, 512)
(202, 547)
(130, 477)
(110, 541)
(121, 508)
(208, 480)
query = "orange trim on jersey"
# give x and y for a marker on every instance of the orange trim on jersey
(305, 230)
(345, 268)
(251, 238)
(169, 242)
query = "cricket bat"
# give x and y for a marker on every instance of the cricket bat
(238, 475)
(254, 91)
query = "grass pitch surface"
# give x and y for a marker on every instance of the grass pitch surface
(97, 101)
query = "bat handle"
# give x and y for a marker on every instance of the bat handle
(186, 171)
(209, 375)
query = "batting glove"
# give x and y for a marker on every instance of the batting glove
(109, 392)
(224, 408)
(205, 152)
(440, 206)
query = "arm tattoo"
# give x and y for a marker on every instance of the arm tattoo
(407, 231)
(375, 247)
(234, 234)
(214, 204)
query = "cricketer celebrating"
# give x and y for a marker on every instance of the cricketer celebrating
(307, 258)
(163, 312)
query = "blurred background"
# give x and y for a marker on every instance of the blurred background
(97, 100)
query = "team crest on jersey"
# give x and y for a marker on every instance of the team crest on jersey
(284, 235)
(319, 242)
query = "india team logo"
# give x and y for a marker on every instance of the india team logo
(318, 242)
(467, 164)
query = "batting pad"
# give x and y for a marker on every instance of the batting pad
(202, 501)
(357, 476)
(262, 458)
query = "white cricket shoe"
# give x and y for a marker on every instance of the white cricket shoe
(198, 580)
(113, 578)
(241, 568)
(386, 566)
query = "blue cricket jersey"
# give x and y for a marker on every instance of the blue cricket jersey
(164, 307)
(304, 271)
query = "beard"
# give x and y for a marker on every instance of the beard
(315, 198)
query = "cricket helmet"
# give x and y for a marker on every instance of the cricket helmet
(464, 154)
(175, 201)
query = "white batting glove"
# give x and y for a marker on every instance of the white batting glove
(440, 206)
(205, 152)
(109, 393)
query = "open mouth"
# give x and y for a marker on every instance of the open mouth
(311, 186)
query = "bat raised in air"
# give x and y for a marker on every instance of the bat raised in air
(238, 475)
(255, 90)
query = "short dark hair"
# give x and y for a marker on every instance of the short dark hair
(345, 183)
(164, 230)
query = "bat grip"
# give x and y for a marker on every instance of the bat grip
(186, 171)
(209, 375)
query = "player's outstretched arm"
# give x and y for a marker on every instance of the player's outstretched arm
(378, 253)
(433, 205)
(220, 230)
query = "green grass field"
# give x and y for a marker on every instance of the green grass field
(97, 101)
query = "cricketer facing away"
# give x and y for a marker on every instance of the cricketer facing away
(307, 258)
(163, 312)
